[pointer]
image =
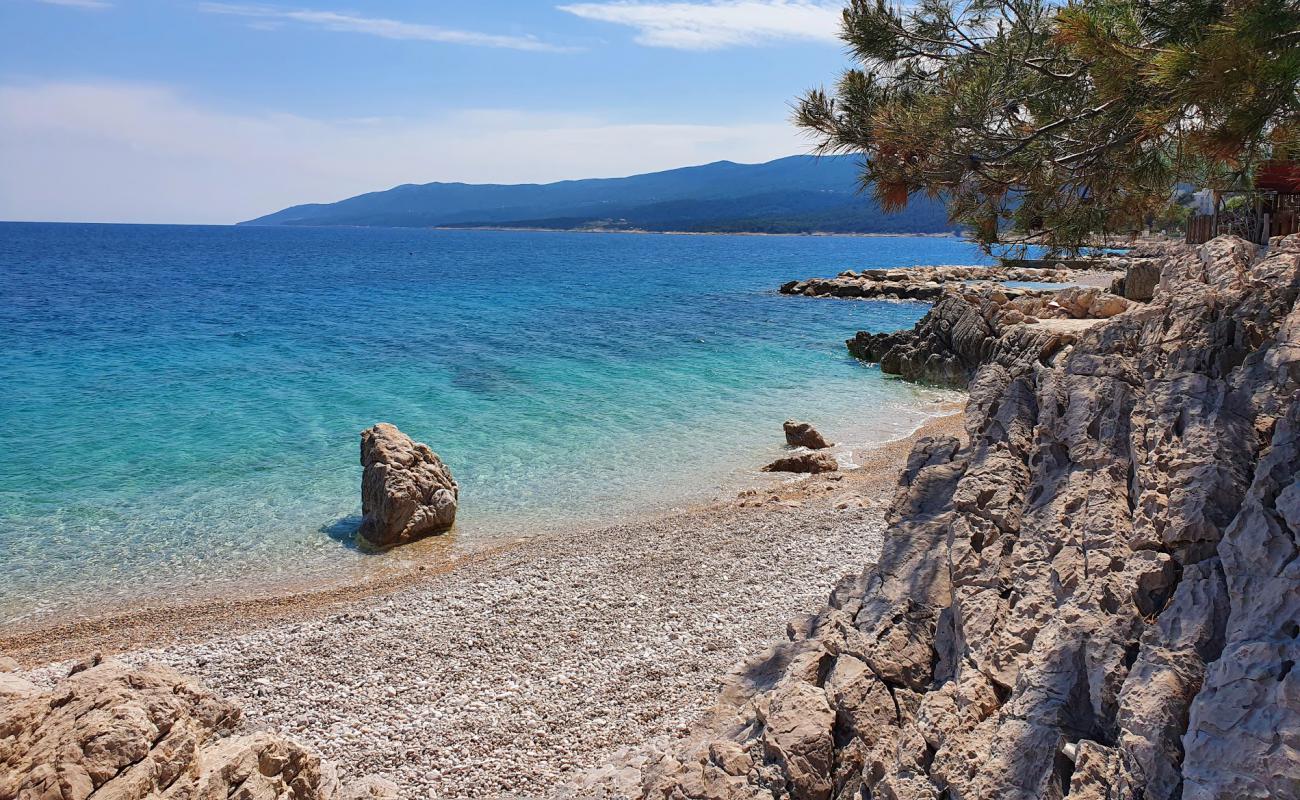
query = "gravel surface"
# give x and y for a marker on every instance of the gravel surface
(516, 674)
(498, 679)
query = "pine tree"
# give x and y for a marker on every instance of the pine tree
(1032, 118)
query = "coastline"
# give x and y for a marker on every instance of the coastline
(644, 232)
(151, 624)
(510, 673)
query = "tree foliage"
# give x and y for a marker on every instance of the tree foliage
(1060, 120)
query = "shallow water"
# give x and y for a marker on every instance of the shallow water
(181, 405)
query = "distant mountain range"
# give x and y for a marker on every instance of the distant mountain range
(799, 194)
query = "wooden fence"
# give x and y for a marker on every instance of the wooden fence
(1201, 228)
(1257, 226)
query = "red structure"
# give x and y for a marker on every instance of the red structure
(1271, 209)
(1279, 176)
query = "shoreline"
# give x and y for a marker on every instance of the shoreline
(528, 667)
(641, 231)
(152, 624)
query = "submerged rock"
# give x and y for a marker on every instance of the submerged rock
(406, 490)
(804, 462)
(803, 434)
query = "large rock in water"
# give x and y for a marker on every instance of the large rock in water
(803, 434)
(406, 490)
(1095, 595)
(112, 731)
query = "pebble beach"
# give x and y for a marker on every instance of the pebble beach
(512, 673)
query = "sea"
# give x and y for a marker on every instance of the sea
(181, 406)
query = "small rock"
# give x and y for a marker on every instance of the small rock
(803, 434)
(371, 788)
(12, 686)
(804, 462)
(92, 660)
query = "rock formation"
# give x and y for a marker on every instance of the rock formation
(916, 283)
(1095, 595)
(804, 462)
(406, 490)
(109, 731)
(1138, 281)
(977, 326)
(803, 434)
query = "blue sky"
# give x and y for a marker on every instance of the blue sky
(130, 110)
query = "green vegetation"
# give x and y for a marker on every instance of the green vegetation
(1061, 120)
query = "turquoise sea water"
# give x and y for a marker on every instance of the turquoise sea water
(181, 405)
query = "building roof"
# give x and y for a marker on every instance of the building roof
(1279, 176)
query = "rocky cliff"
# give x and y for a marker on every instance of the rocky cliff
(1095, 595)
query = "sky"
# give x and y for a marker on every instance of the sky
(215, 112)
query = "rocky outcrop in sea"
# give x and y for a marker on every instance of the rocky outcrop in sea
(977, 326)
(917, 283)
(1095, 594)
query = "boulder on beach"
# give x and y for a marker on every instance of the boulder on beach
(803, 434)
(132, 733)
(406, 490)
(804, 462)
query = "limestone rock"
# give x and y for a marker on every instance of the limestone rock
(803, 434)
(797, 737)
(925, 283)
(12, 685)
(804, 462)
(406, 490)
(1139, 280)
(1243, 735)
(953, 340)
(371, 788)
(873, 347)
(1095, 595)
(110, 731)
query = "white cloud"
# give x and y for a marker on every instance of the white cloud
(720, 23)
(377, 26)
(87, 4)
(132, 153)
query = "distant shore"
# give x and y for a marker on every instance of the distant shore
(945, 235)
